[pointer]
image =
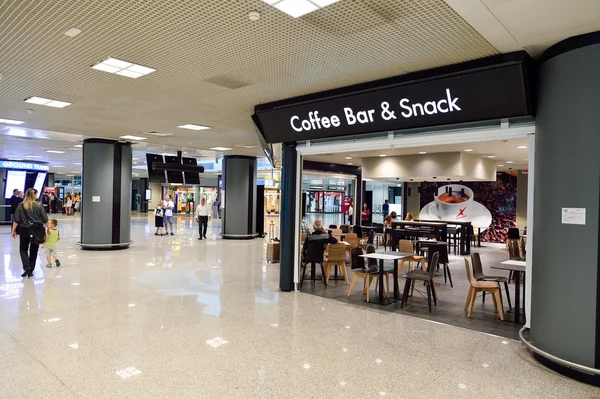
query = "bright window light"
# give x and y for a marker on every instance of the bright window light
(298, 8)
(47, 102)
(123, 68)
(128, 137)
(11, 121)
(221, 149)
(193, 127)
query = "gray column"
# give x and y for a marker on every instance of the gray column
(106, 194)
(288, 220)
(239, 184)
(565, 281)
(521, 210)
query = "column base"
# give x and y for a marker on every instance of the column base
(105, 247)
(239, 236)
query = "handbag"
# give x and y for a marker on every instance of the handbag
(37, 231)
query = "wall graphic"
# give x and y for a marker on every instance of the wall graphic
(491, 204)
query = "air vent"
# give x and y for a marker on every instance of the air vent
(228, 81)
(158, 134)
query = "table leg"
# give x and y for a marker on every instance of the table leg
(518, 297)
(466, 237)
(479, 237)
(313, 271)
(524, 295)
(396, 287)
(381, 281)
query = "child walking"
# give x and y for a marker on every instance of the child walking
(52, 239)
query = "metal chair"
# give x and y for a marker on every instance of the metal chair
(479, 276)
(426, 277)
(442, 251)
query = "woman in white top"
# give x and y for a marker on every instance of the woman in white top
(68, 204)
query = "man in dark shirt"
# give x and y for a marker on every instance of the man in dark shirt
(318, 231)
(15, 200)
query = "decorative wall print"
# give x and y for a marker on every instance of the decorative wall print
(490, 205)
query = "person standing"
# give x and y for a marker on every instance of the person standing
(52, 239)
(202, 216)
(168, 207)
(30, 218)
(385, 208)
(364, 215)
(15, 200)
(68, 204)
(350, 213)
(158, 219)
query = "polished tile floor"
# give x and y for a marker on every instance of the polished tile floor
(174, 317)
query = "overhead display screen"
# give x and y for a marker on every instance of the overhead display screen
(39, 183)
(15, 179)
(485, 94)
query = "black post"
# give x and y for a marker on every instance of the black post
(288, 222)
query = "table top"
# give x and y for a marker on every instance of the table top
(387, 255)
(515, 265)
(454, 222)
(345, 243)
(413, 223)
(421, 243)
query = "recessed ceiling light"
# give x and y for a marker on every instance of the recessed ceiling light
(348, 158)
(55, 152)
(246, 146)
(32, 156)
(349, 163)
(220, 148)
(500, 165)
(382, 155)
(191, 126)
(296, 8)
(469, 150)
(491, 156)
(509, 162)
(72, 32)
(123, 68)
(47, 102)
(11, 121)
(129, 137)
(422, 152)
(521, 147)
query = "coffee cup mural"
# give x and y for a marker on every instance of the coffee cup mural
(454, 202)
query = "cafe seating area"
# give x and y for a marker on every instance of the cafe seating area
(417, 273)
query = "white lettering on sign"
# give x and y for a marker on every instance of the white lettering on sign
(445, 105)
(24, 165)
(314, 121)
(573, 216)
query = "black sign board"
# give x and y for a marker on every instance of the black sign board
(491, 93)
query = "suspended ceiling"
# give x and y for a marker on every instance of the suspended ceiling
(214, 64)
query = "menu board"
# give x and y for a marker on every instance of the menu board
(15, 179)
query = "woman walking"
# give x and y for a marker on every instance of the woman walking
(30, 218)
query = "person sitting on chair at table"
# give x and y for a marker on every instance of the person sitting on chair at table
(318, 230)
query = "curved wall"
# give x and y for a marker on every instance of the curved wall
(565, 305)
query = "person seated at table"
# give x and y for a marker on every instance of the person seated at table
(387, 222)
(318, 231)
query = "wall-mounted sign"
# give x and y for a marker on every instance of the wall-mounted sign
(573, 216)
(24, 165)
(491, 93)
(315, 187)
(336, 188)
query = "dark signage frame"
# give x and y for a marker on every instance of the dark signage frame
(493, 88)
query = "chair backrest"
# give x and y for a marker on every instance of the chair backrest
(357, 229)
(336, 231)
(333, 226)
(352, 239)
(468, 270)
(477, 266)
(302, 237)
(442, 250)
(378, 227)
(345, 228)
(371, 238)
(315, 247)
(513, 232)
(371, 262)
(406, 246)
(357, 261)
(433, 264)
(513, 250)
(336, 253)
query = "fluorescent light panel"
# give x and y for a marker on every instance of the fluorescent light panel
(123, 68)
(47, 102)
(55, 152)
(129, 137)
(221, 149)
(298, 8)
(11, 121)
(191, 126)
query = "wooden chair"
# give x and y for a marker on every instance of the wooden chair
(336, 256)
(359, 270)
(336, 232)
(407, 246)
(345, 228)
(482, 286)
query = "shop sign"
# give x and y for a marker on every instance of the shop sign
(336, 188)
(315, 187)
(489, 94)
(24, 165)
